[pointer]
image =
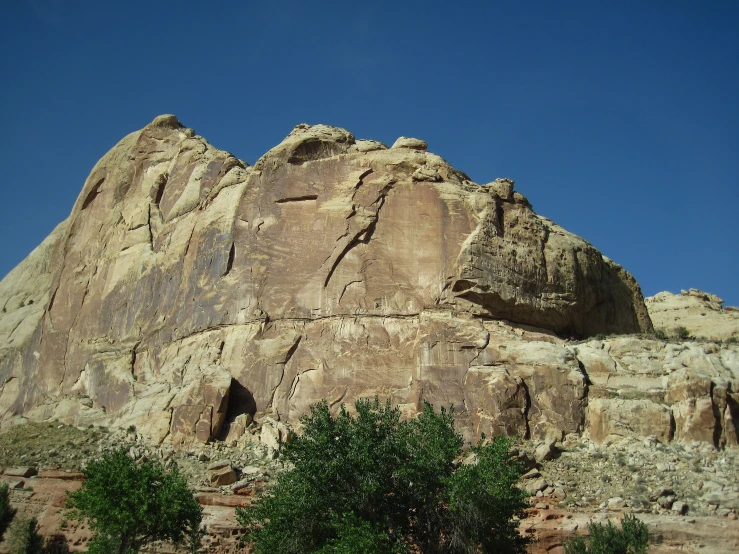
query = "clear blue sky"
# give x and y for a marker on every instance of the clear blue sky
(618, 120)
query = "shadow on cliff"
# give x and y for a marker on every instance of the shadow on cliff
(240, 401)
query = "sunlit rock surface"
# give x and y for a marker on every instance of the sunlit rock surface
(188, 288)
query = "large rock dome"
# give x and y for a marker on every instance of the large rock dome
(187, 287)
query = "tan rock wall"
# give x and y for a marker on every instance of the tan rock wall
(188, 288)
(701, 313)
(639, 387)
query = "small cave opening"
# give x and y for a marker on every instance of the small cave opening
(240, 401)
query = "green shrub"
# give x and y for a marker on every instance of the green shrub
(601, 336)
(732, 340)
(682, 333)
(355, 535)
(129, 505)
(24, 537)
(7, 512)
(660, 334)
(375, 484)
(632, 538)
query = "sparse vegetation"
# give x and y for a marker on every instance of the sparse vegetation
(660, 334)
(682, 333)
(24, 537)
(375, 484)
(632, 538)
(46, 443)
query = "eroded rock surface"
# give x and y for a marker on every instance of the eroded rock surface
(188, 290)
(701, 313)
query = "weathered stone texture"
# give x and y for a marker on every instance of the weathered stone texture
(701, 313)
(639, 387)
(188, 289)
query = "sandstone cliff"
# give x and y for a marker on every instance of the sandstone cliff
(187, 288)
(702, 314)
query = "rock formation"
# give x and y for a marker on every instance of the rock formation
(701, 313)
(187, 289)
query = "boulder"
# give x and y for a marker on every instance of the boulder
(238, 427)
(21, 471)
(274, 432)
(12, 483)
(222, 476)
(680, 508)
(545, 451)
(410, 143)
(535, 485)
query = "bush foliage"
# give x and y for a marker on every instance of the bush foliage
(7, 512)
(632, 538)
(24, 537)
(129, 505)
(378, 485)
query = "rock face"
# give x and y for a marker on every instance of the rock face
(701, 313)
(187, 289)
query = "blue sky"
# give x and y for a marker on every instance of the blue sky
(618, 120)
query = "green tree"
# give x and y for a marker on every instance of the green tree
(7, 512)
(24, 537)
(375, 484)
(129, 505)
(632, 538)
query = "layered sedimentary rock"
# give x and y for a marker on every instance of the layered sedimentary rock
(187, 289)
(673, 391)
(702, 314)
